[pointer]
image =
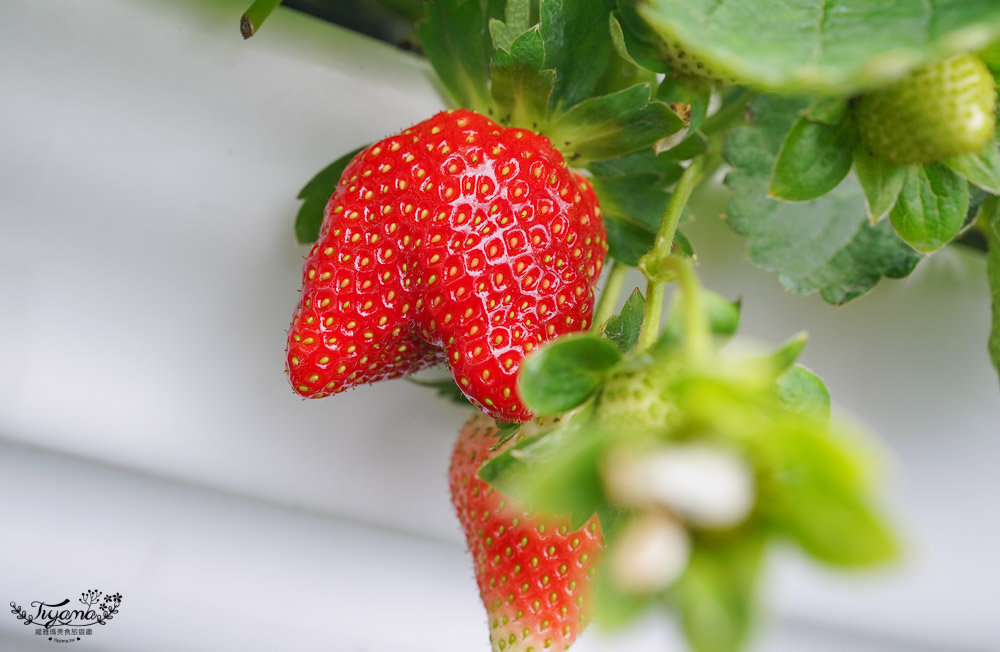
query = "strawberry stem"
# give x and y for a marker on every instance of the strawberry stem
(609, 296)
(651, 313)
(657, 265)
(697, 340)
(255, 16)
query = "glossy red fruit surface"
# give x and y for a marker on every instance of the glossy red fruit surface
(534, 574)
(455, 241)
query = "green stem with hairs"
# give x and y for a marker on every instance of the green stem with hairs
(255, 16)
(656, 265)
(651, 313)
(609, 296)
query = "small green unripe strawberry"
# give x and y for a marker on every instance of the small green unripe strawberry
(637, 397)
(941, 110)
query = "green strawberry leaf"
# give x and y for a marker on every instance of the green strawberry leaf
(643, 161)
(828, 110)
(623, 328)
(621, 73)
(814, 47)
(931, 208)
(981, 168)
(817, 495)
(632, 206)
(555, 472)
(505, 432)
(682, 245)
(636, 197)
(813, 160)
(635, 40)
(800, 390)
(315, 195)
(566, 372)
(521, 87)
(991, 218)
(613, 608)
(455, 37)
(612, 125)
(693, 145)
(628, 240)
(717, 595)
(786, 354)
(633, 194)
(517, 20)
(841, 530)
(824, 245)
(575, 32)
(881, 180)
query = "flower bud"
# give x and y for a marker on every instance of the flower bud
(702, 484)
(649, 554)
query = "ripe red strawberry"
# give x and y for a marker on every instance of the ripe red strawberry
(534, 575)
(457, 240)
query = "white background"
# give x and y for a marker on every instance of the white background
(149, 445)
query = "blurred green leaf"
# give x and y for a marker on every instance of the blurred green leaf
(931, 207)
(505, 432)
(828, 110)
(981, 168)
(623, 328)
(723, 318)
(813, 160)
(566, 372)
(800, 390)
(786, 354)
(315, 195)
(842, 530)
(817, 492)
(635, 40)
(809, 46)
(555, 472)
(881, 181)
(717, 594)
(614, 609)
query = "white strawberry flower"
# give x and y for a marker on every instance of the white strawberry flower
(704, 485)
